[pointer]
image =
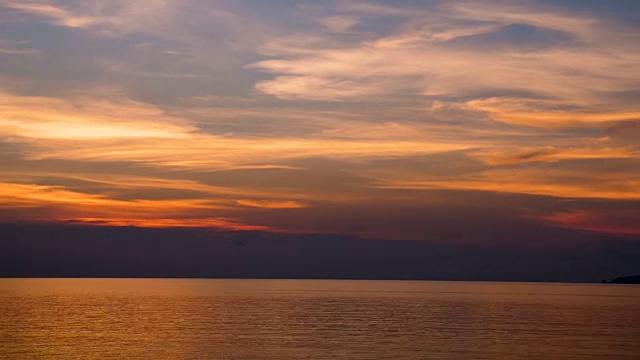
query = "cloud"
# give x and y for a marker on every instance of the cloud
(196, 114)
(271, 204)
(64, 205)
(619, 222)
(568, 183)
(116, 18)
(518, 155)
(100, 130)
(339, 24)
(16, 47)
(9, 51)
(217, 152)
(535, 15)
(564, 84)
(215, 223)
(56, 14)
(541, 113)
(41, 118)
(31, 195)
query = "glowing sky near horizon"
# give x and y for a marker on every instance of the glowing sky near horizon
(459, 120)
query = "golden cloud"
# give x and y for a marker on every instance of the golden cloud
(561, 184)
(272, 204)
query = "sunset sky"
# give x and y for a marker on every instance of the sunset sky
(456, 121)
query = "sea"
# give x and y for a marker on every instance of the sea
(315, 319)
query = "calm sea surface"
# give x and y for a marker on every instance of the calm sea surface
(315, 319)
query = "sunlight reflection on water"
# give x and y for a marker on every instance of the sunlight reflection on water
(315, 319)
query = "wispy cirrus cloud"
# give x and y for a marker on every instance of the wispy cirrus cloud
(231, 114)
(16, 47)
(518, 155)
(551, 113)
(212, 223)
(85, 119)
(99, 130)
(560, 183)
(56, 14)
(552, 68)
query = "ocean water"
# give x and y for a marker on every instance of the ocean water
(315, 319)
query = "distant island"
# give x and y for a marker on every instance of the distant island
(626, 280)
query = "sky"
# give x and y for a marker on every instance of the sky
(462, 122)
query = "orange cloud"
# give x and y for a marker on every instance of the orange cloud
(566, 86)
(72, 202)
(449, 99)
(518, 155)
(101, 130)
(532, 182)
(539, 113)
(272, 204)
(619, 222)
(217, 152)
(90, 209)
(217, 223)
(85, 119)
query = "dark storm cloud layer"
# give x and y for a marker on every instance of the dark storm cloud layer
(75, 251)
(489, 123)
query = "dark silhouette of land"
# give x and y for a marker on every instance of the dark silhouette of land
(36, 250)
(626, 280)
